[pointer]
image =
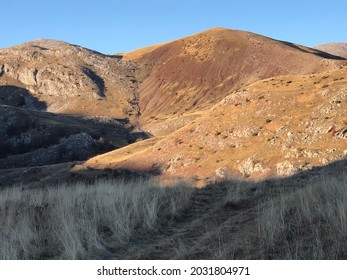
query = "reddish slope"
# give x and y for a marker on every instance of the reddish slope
(192, 73)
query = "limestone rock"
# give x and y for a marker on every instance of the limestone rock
(221, 172)
(285, 168)
(250, 166)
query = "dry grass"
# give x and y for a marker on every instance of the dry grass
(307, 221)
(82, 222)
(310, 223)
(227, 220)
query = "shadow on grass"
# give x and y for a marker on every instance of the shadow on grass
(122, 214)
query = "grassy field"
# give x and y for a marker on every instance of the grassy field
(114, 219)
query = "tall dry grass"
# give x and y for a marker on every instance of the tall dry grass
(272, 220)
(232, 220)
(82, 222)
(309, 223)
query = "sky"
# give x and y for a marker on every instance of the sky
(119, 26)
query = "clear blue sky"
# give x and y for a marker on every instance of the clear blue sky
(117, 26)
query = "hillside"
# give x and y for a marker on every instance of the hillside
(191, 74)
(71, 79)
(339, 49)
(274, 127)
(61, 103)
(36, 138)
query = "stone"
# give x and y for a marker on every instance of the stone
(250, 166)
(285, 168)
(221, 172)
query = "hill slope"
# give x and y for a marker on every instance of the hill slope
(90, 97)
(71, 79)
(190, 74)
(274, 127)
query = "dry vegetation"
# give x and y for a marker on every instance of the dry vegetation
(309, 223)
(284, 219)
(80, 221)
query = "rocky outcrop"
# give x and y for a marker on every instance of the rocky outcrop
(250, 166)
(74, 147)
(341, 133)
(70, 78)
(285, 168)
(222, 172)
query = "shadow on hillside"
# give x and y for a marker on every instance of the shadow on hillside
(35, 138)
(312, 51)
(20, 97)
(69, 173)
(91, 175)
(118, 56)
(334, 169)
(40, 48)
(99, 82)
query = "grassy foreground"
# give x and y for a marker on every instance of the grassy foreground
(137, 220)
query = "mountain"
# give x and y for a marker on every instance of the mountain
(215, 104)
(86, 139)
(190, 74)
(339, 49)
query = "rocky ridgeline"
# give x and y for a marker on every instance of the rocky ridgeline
(55, 71)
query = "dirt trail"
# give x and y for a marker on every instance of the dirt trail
(182, 237)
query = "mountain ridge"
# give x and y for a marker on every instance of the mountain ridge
(178, 93)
